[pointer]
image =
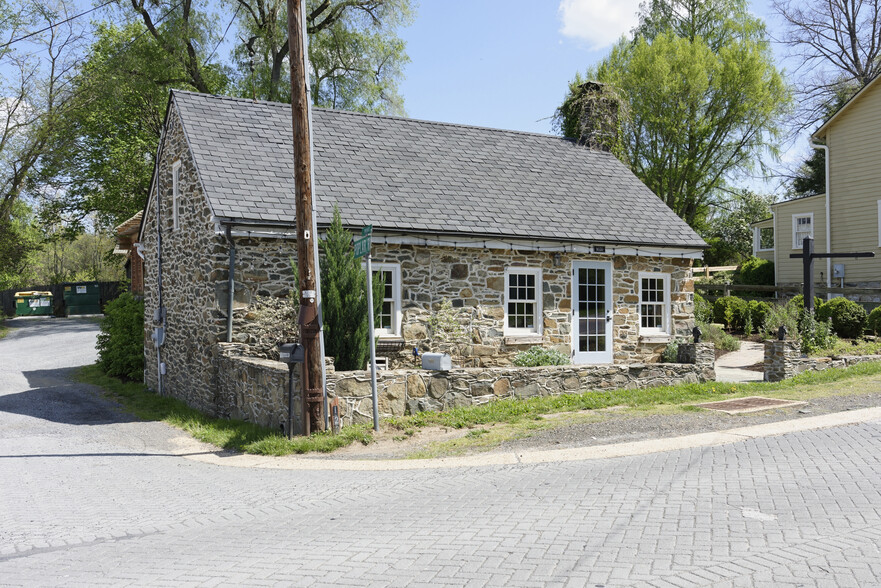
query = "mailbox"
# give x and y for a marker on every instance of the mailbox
(291, 353)
(437, 361)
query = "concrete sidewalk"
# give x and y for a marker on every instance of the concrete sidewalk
(731, 366)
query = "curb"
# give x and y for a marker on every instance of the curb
(190, 449)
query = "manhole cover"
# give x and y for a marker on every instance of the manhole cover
(749, 404)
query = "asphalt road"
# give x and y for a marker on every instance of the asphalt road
(88, 496)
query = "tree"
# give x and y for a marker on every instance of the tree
(701, 99)
(838, 42)
(730, 235)
(344, 299)
(355, 54)
(20, 238)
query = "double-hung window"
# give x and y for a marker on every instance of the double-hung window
(523, 301)
(802, 226)
(654, 304)
(175, 194)
(763, 239)
(388, 323)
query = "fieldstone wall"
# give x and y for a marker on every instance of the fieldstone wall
(783, 359)
(255, 390)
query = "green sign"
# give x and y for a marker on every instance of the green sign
(362, 246)
(366, 230)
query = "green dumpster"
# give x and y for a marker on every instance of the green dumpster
(83, 298)
(32, 303)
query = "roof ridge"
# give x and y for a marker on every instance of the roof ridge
(392, 117)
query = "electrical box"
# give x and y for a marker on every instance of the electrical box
(158, 337)
(291, 353)
(437, 361)
(159, 315)
(838, 270)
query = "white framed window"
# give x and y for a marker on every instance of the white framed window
(523, 301)
(763, 239)
(802, 226)
(175, 194)
(654, 304)
(388, 323)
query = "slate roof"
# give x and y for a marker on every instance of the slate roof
(425, 177)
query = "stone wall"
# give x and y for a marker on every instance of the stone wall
(783, 359)
(255, 390)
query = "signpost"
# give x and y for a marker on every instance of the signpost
(808, 256)
(362, 249)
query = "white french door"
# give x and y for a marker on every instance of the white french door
(592, 312)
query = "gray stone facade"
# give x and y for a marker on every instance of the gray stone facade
(783, 359)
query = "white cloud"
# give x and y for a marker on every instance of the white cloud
(599, 22)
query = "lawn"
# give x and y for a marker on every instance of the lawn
(518, 418)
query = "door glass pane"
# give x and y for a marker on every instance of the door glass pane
(591, 309)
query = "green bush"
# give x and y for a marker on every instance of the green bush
(848, 318)
(758, 313)
(670, 353)
(722, 340)
(874, 322)
(815, 335)
(730, 311)
(703, 309)
(538, 356)
(121, 340)
(799, 301)
(778, 315)
(757, 272)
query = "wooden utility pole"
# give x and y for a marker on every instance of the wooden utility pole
(309, 322)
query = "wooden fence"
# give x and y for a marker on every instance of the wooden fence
(109, 291)
(706, 270)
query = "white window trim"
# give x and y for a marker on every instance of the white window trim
(539, 296)
(395, 269)
(667, 330)
(757, 239)
(795, 218)
(175, 194)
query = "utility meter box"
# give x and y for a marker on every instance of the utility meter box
(437, 361)
(838, 270)
(291, 353)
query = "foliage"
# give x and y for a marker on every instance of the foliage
(20, 239)
(84, 258)
(447, 331)
(730, 234)
(718, 337)
(786, 315)
(815, 335)
(538, 356)
(226, 433)
(730, 311)
(851, 347)
(703, 309)
(756, 272)
(874, 321)
(799, 301)
(355, 53)
(758, 313)
(848, 318)
(670, 353)
(121, 340)
(701, 99)
(344, 299)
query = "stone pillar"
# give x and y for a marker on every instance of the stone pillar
(780, 359)
(702, 355)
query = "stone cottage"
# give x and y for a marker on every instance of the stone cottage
(534, 239)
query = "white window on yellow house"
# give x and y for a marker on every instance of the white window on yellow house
(802, 226)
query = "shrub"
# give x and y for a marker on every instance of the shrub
(874, 322)
(758, 313)
(782, 315)
(799, 301)
(730, 311)
(121, 340)
(670, 353)
(848, 318)
(718, 337)
(815, 335)
(538, 356)
(757, 272)
(703, 310)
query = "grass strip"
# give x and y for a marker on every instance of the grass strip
(516, 410)
(226, 433)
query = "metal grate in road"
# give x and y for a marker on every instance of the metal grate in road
(749, 404)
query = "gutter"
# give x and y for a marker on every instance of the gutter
(825, 149)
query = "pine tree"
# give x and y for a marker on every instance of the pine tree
(344, 299)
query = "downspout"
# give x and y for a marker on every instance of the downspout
(825, 149)
(161, 313)
(231, 289)
(776, 241)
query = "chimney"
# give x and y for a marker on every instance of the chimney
(598, 113)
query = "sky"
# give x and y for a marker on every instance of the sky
(507, 63)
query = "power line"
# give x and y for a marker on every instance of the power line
(53, 25)
(223, 38)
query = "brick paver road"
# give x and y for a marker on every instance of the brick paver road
(89, 497)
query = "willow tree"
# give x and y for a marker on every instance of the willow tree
(701, 100)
